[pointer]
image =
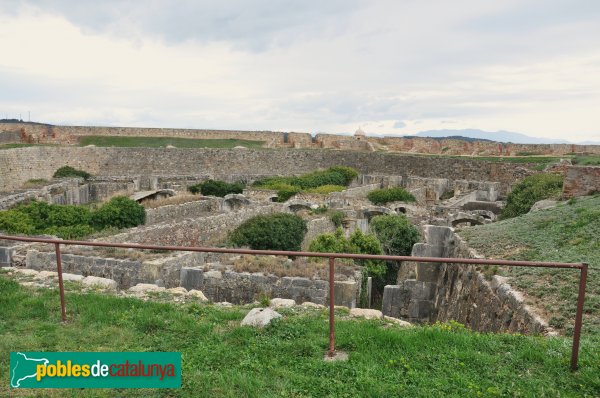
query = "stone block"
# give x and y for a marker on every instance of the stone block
(192, 278)
(420, 310)
(5, 256)
(395, 300)
(345, 293)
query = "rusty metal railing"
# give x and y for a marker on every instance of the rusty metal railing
(582, 267)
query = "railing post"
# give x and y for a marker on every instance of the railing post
(61, 286)
(579, 316)
(331, 307)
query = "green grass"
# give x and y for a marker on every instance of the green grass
(157, 142)
(567, 233)
(222, 359)
(589, 160)
(21, 145)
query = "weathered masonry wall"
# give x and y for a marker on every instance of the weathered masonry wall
(201, 231)
(21, 164)
(10, 137)
(244, 287)
(191, 271)
(443, 292)
(35, 133)
(170, 213)
(581, 181)
(70, 134)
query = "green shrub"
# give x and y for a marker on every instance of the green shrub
(530, 190)
(216, 188)
(119, 212)
(336, 218)
(286, 192)
(358, 243)
(339, 175)
(64, 216)
(70, 231)
(396, 234)
(14, 222)
(37, 211)
(279, 231)
(326, 189)
(386, 195)
(68, 171)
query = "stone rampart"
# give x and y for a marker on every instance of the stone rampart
(38, 133)
(444, 292)
(21, 164)
(202, 231)
(170, 213)
(581, 181)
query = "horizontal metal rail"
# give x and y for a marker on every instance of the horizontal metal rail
(583, 267)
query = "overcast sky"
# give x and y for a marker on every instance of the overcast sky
(390, 67)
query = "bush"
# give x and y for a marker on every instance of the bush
(68, 171)
(119, 212)
(396, 234)
(358, 243)
(286, 192)
(14, 222)
(336, 218)
(37, 211)
(386, 195)
(70, 231)
(216, 188)
(530, 190)
(326, 189)
(64, 216)
(339, 176)
(279, 231)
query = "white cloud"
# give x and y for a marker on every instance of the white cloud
(525, 66)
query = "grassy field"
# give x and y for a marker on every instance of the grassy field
(157, 142)
(567, 233)
(222, 359)
(21, 145)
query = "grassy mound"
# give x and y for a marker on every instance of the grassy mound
(222, 359)
(157, 142)
(567, 233)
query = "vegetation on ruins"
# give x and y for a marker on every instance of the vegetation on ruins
(396, 234)
(280, 231)
(68, 171)
(70, 221)
(357, 243)
(119, 212)
(326, 181)
(566, 233)
(532, 189)
(386, 195)
(336, 218)
(221, 358)
(216, 188)
(158, 142)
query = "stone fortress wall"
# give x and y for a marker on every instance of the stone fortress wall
(39, 133)
(19, 165)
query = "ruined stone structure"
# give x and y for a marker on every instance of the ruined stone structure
(443, 292)
(449, 192)
(38, 133)
(581, 181)
(22, 164)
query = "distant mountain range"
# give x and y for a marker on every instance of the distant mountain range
(499, 136)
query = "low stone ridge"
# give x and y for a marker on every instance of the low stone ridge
(104, 283)
(366, 313)
(260, 317)
(143, 288)
(280, 302)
